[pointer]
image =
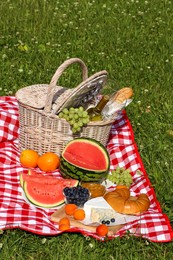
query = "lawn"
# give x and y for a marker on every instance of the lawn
(133, 41)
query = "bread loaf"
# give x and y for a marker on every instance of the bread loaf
(123, 94)
(121, 201)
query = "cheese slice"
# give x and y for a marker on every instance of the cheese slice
(97, 210)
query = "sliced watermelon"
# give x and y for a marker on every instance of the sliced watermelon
(44, 195)
(45, 191)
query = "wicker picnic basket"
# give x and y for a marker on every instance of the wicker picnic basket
(40, 127)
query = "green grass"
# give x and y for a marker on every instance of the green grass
(133, 41)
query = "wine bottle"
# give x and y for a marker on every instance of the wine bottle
(95, 113)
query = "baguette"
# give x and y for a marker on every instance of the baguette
(123, 94)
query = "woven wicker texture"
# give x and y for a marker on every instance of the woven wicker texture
(40, 127)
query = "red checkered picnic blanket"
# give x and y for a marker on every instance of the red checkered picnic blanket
(15, 212)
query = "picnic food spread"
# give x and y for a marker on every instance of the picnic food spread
(69, 130)
(87, 203)
(82, 157)
(18, 212)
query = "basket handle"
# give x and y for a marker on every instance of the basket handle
(57, 75)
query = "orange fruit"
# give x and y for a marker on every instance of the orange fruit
(65, 221)
(70, 208)
(48, 162)
(29, 158)
(102, 230)
(79, 214)
(64, 227)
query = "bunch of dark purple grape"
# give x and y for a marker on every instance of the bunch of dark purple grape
(76, 195)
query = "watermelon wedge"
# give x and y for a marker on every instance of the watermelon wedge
(44, 195)
(45, 191)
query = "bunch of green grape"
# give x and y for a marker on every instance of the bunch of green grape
(76, 117)
(121, 176)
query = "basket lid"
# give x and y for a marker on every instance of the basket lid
(83, 94)
(53, 98)
(35, 95)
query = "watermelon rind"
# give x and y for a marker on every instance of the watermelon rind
(69, 169)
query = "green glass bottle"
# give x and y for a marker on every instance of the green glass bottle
(95, 112)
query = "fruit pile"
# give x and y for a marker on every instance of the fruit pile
(87, 155)
(45, 191)
(47, 162)
(76, 195)
(64, 224)
(73, 212)
(120, 176)
(77, 117)
(83, 160)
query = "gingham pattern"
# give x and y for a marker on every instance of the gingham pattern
(16, 213)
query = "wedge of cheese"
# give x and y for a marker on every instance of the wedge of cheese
(98, 210)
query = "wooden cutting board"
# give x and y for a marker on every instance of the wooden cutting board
(60, 213)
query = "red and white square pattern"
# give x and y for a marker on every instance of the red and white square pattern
(16, 213)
